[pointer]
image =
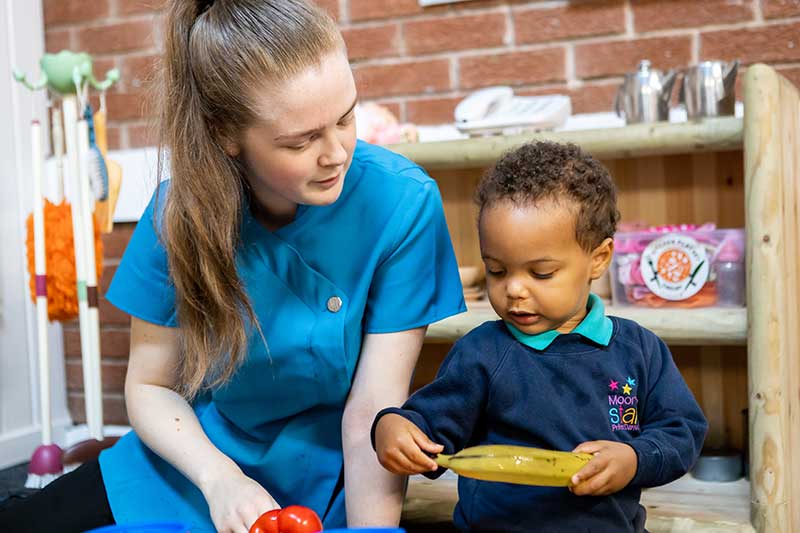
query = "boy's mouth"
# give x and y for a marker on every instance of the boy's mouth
(523, 318)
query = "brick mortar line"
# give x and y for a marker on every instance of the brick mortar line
(715, 28)
(630, 29)
(456, 54)
(102, 21)
(570, 72)
(115, 361)
(113, 328)
(424, 18)
(554, 4)
(758, 13)
(460, 11)
(419, 97)
(111, 394)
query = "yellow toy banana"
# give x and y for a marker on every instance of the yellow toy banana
(515, 464)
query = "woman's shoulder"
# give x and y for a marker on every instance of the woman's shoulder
(379, 167)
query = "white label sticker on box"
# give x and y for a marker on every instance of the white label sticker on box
(675, 267)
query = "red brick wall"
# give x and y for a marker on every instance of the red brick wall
(422, 61)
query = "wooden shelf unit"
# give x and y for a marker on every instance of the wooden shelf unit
(729, 171)
(692, 327)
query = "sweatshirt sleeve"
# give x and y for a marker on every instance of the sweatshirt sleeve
(673, 426)
(449, 409)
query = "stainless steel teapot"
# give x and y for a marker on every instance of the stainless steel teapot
(645, 95)
(709, 89)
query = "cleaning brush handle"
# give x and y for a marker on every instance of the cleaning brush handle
(58, 152)
(40, 272)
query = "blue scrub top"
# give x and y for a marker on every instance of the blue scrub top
(383, 248)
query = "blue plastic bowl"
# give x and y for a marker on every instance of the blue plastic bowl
(149, 527)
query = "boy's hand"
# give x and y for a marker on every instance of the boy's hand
(612, 468)
(401, 446)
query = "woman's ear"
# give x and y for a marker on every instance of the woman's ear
(601, 258)
(226, 141)
(231, 147)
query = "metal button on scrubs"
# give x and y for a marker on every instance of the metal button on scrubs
(334, 304)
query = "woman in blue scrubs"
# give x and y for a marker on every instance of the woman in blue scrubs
(280, 284)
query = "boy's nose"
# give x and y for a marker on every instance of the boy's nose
(516, 290)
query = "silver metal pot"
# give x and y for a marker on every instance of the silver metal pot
(709, 89)
(644, 96)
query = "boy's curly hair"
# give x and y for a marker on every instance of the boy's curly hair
(560, 172)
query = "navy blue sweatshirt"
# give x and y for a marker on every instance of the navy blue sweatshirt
(492, 389)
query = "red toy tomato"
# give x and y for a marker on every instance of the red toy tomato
(267, 522)
(292, 519)
(298, 519)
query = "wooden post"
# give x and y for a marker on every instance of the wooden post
(770, 150)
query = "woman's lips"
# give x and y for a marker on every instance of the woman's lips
(330, 182)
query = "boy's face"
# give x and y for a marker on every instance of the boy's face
(537, 275)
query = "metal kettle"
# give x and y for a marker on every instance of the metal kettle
(709, 89)
(644, 96)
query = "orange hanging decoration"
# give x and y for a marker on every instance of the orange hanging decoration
(62, 292)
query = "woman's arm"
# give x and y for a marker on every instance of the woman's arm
(167, 424)
(374, 497)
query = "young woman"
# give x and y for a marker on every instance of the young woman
(280, 285)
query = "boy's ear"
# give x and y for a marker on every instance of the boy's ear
(601, 257)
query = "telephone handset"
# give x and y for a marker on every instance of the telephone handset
(495, 109)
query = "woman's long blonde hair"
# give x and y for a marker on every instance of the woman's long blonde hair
(216, 53)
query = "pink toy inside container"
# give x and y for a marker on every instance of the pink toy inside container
(679, 266)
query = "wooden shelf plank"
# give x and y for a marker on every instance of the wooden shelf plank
(709, 135)
(686, 504)
(702, 326)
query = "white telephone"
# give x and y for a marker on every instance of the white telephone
(496, 110)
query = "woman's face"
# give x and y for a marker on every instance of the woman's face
(302, 142)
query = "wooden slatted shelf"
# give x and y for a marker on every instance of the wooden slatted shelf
(701, 326)
(709, 135)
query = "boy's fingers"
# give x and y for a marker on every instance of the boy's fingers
(591, 469)
(593, 446)
(421, 459)
(425, 443)
(416, 462)
(595, 485)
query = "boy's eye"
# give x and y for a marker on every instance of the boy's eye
(543, 276)
(297, 147)
(494, 272)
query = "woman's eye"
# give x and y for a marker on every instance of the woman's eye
(346, 119)
(495, 273)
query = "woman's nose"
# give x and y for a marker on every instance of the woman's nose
(333, 153)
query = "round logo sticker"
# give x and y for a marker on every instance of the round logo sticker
(675, 267)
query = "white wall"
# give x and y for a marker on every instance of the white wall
(21, 46)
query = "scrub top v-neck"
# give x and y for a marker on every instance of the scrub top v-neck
(378, 260)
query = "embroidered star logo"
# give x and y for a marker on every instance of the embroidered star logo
(627, 389)
(631, 381)
(614, 385)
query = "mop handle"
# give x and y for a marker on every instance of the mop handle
(93, 327)
(58, 152)
(40, 271)
(73, 158)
